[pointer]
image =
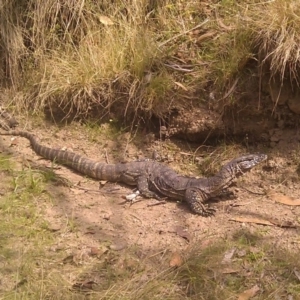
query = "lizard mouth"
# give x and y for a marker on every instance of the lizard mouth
(260, 158)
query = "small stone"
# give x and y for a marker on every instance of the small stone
(275, 138)
(98, 251)
(170, 158)
(106, 216)
(118, 245)
(281, 124)
(294, 103)
(264, 136)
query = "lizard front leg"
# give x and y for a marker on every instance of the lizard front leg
(195, 199)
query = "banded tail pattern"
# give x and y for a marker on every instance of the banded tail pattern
(75, 161)
(7, 121)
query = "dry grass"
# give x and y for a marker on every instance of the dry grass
(273, 270)
(75, 59)
(275, 26)
(137, 62)
(82, 55)
(135, 59)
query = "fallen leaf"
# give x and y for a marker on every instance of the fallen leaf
(84, 285)
(230, 271)
(94, 251)
(54, 227)
(241, 253)
(69, 259)
(205, 36)
(228, 256)
(182, 232)
(249, 293)
(78, 257)
(118, 245)
(282, 198)
(222, 25)
(297, 273)
(181, 85)
(176, 260)
(105, 20)
(98, 251)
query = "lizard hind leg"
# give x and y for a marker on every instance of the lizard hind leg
(143, 187)
(195, 199)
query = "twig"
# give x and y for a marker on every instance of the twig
(178, 68)
(221, 24)
(183, 33)
(230, 90)
(106, 157)
(255, 193)
(131, 137)
(87, 190)
(134, 216)
(159, 202)
(102, 191)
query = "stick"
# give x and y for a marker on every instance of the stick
(183, 33)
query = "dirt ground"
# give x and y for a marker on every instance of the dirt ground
(103, 216)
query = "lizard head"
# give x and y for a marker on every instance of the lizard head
(245, 163)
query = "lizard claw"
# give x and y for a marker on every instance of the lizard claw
(207, 212)
(200, 209)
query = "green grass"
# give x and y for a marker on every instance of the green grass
(23, 231)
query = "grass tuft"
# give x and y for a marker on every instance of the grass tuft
(133, 60)
(275, 28)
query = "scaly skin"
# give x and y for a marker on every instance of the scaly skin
(152, 178)
(7, 121)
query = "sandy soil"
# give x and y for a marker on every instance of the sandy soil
(103, 216)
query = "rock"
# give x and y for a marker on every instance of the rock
(274, 138)
(294, 103)
(118, 245)
(264, 136)
(281, 124)
(276, 135)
